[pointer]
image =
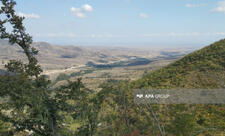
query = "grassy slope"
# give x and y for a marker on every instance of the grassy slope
(204, 68)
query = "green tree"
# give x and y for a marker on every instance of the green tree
(28, 103)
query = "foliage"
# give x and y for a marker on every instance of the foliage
(30, 106)
(62, 77)
(201, 69)
(196, 70)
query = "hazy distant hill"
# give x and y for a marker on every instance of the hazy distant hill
(57, 57)
(204, 68)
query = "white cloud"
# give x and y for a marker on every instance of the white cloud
(28, 16)
(173, 34)
(56, 35)
(75, 9)
(77, 12)
(152, 35)
(143, 15)
(220, 7)
(87, 8)
(105, 36)
(73, 35)
(195, 5)
(80, 12)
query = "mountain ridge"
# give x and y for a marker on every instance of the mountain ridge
(61, 57)
(202, 68)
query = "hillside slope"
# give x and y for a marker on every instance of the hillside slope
(204, 68)
(52, 57)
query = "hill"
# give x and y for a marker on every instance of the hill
(204, 68)
(53, 57)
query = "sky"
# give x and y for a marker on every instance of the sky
(171, 23)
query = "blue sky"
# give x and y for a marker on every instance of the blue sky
(125, 22)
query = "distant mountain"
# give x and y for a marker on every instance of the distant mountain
(204, 68)
(60, 57)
